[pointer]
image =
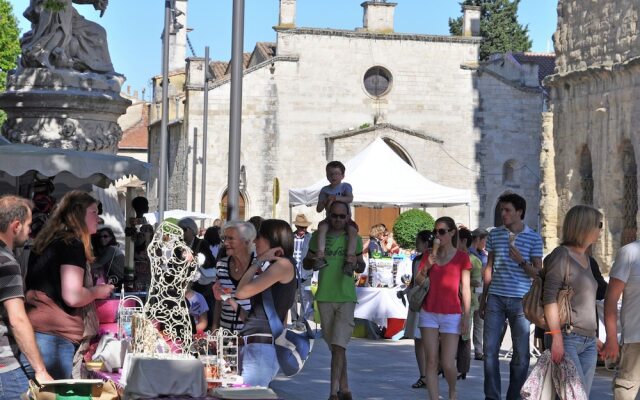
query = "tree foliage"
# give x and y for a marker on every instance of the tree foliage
(499, 27)
(408, 224)
(9, 44)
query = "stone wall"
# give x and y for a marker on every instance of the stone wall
(312, 92)
(594, 33)
(597, 110)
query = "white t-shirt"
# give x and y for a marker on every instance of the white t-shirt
(627, 269)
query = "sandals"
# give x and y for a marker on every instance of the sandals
(420, 383)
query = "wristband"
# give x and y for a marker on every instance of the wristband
(553, 332)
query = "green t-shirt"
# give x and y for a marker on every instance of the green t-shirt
(333, 285)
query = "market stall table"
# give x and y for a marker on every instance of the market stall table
(382, 306)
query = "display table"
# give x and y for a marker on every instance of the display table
(382, 306)
(151, 377)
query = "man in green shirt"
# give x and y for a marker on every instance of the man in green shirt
(336, 296)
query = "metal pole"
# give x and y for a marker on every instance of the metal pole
(194, 168)
(235, 118)
(164, 135)
(205, 122)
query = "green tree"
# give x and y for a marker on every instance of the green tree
(407, 226)
(499, 27)
(9, 45)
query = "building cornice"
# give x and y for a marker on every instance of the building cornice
(601, 70)
(379, 35)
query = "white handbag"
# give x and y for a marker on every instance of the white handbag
(111, 351)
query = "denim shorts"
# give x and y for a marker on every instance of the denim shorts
(444, 323)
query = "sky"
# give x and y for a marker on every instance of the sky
(134, 27)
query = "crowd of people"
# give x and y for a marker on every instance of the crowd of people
(252, 271)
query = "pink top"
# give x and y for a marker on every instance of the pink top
(444, 290)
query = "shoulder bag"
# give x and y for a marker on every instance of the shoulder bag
(292, 348)
(534, 309)
(417, 293)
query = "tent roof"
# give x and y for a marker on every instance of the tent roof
(395, 185)
(17, 159)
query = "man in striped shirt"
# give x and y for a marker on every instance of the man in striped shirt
(515, 257)
(16, 332)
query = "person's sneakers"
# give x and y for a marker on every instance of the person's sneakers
(334, 397)
(348, 268)
(319, 263)
(478, 357)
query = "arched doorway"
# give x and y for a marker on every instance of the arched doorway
(586, 176)
(223, 207)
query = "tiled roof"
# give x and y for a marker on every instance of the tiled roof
(136, 136)
(546, 62)
(218, 68)
(266, 49)
(261, 52)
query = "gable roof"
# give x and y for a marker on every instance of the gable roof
(546, 62)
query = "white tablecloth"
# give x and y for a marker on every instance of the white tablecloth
(378, 304)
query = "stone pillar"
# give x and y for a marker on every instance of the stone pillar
(287, 14)
(378, 16)
(178, 38)
(471, 20)
(549, 195)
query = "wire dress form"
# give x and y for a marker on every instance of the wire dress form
(172, 267)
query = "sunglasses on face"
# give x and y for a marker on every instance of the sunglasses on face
(105, 237)
(339, 216)
(441, 232)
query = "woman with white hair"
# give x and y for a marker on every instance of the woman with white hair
(238, 243)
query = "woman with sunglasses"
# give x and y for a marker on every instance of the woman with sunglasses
(273, 270)
(569, 265)
(109, 264)
(446, 309)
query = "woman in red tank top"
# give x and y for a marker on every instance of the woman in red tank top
(446, 307)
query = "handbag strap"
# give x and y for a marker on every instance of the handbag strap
(269, 308)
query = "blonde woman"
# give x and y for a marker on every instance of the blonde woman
(581, 228)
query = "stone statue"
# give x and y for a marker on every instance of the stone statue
(62, 38)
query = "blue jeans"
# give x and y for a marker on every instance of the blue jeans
(13, 383)
(583, 351)
(499, 308)
(259, 364)
(57, 354)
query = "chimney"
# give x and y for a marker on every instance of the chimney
(471, 20)
(287, 14)
(378, 16)
(178, 38)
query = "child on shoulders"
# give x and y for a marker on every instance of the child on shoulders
(340, 191)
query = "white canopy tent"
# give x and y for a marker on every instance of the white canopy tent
(403, 186)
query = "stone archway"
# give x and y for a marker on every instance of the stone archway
(241, 207)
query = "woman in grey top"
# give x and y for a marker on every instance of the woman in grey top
(581, 228)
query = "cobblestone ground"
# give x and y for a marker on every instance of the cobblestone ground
(384, 369)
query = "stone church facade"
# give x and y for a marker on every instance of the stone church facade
(590, 139)
(316, 95)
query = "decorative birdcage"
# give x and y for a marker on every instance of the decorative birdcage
(219, 352)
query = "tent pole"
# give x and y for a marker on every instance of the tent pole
(469, 212)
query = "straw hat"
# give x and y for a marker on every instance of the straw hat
(301, 220)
